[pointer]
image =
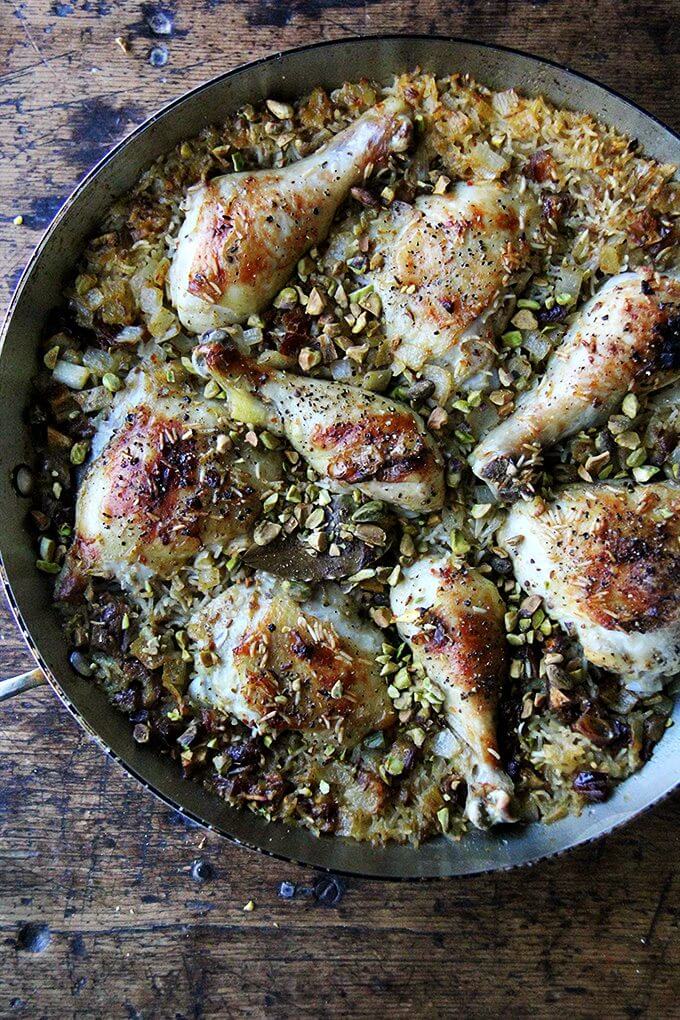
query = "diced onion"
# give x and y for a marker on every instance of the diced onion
(73, 376)
(569, 280)
(341, 370)
(130, 335)
(252, 336)
(445, 744)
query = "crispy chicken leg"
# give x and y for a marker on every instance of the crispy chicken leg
(452, 617)
(353, 438)
(278, 666)
(606, 560)
(159, 488)
(626, 337)
(448, 261)
(244, 233)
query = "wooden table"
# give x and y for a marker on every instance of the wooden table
(103, 910)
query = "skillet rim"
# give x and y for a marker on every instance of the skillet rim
(36, 255)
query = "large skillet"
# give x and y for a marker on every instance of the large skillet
(283, 75)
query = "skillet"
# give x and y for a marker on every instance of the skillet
(285, 76)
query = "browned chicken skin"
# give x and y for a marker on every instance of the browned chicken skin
(161, 486)
(607, 562)
(244, 233)
(281, 666)
(626, 337)
(452, 617)
(350, 436)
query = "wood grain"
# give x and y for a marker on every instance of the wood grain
(96, 874)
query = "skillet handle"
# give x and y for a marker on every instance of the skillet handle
(20, 684)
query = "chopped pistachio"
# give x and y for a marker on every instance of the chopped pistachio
(393, 576)
(315, 519)
(524, 319)
(269, 441)
(645, 473)
(630, 405)
(362, 575)
(636, 458)
(47, 547)
(50, 359)
(394, 765)
(270, 501)
(513, 338)
(459, 544)
(407, 546)
(357, 295)
(308, 359)
(371, 511)
(315, 303)
(78, 453)
(377, 380)
(282, 111)
(629, 440)
(111, 382)
(286, 298)
(381, 616)
(437, 419)
(47, 566)
(266, 532)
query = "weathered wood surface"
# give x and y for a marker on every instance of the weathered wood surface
(86, 853)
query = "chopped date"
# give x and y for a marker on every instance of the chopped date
(211, 721)
(365, 197)
(645, 229)
(128, 701)
(246, 753)
(593, 786)
(652, 731)
(549, 316)
(187, 738)
(296, 325)
(602, 731)
(669, 348)
(556, 208)
(501, 564)
(540, 167)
